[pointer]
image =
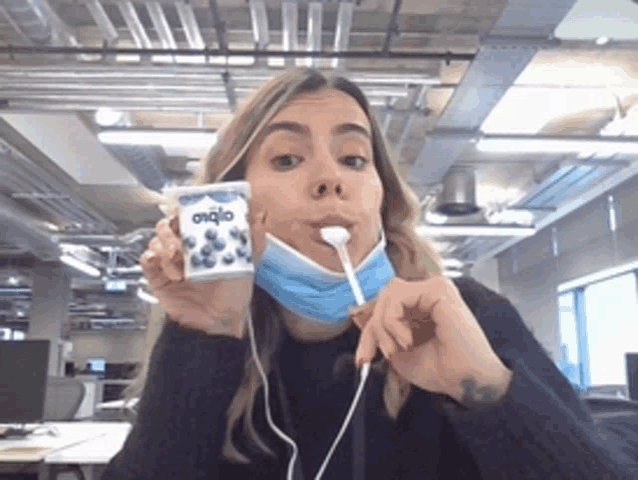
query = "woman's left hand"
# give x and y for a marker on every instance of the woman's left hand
(431, 338)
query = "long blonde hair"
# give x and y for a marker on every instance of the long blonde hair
(413, 257)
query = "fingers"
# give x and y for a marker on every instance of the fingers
(169, 248)
(151, 265)
(382, 326)
(162, 262)
(258, 220)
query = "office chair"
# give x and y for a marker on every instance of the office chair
(62, 400)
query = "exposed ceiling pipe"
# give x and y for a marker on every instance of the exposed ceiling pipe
(102, 21)
(315, 30)
(393, 27)
(60, 30)
(189, 22)
(416, 103)
(24, 168)
(13, 90)
(19, 227)
(161, 25)
(289, 17)
(259, 21)
(174, 99)
(30, 18)
(220, 29)
(231, 96)
(135, 72)
(220, 26)
(126, 240)
(336, 54)
(389, 113)
(134, 24)
(60, 215)
(15, 26)
(58, 106)
(39, 22)
(342, 35)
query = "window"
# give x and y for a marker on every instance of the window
(570, 361)
(611, 316)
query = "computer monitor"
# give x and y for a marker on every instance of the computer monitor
(97, 364)
(631, 360)
(24, 368)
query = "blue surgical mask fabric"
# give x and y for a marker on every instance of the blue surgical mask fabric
(313, 291)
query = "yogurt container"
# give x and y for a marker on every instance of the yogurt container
(213, 223)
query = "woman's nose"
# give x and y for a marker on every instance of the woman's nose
(324, 188)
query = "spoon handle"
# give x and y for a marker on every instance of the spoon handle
(347, 266)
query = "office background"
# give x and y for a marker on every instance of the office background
(73, 204)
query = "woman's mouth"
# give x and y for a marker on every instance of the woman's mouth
(316, 235)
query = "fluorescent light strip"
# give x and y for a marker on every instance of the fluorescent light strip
(475, 231)
(558, 145)
(597, 277)
(83, 267)
(168, 138)
(147, 297)
(452, 263)
(452, 273)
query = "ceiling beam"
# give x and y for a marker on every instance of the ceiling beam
(13, 50)
(528, 25)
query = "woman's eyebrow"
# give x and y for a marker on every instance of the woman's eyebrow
(293, 127)
(351, 127)
(300, 129)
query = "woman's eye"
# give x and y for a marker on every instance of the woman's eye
(353, 160)
(285, 160)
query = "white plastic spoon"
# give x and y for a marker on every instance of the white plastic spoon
(337, 237)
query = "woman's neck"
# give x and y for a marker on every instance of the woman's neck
(307, 330)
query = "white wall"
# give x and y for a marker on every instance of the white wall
(486, 273)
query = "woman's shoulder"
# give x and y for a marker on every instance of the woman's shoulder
(476, 295)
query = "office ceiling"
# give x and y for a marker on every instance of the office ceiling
(518, 67)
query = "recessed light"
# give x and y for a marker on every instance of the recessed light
(602, 40)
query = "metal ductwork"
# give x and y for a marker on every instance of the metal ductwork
(141, 235)
(142, 161)
(21, 228)
(30, 17)
(459, 193)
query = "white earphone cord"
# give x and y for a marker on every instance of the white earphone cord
(365, 370)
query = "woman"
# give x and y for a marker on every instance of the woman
(459, 388)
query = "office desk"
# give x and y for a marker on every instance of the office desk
(88, 444)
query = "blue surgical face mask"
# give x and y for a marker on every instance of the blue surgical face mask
(310, 290)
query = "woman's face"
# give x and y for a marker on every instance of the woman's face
(314, 159)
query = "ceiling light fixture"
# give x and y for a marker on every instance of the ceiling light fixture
(547, 144)
(452, 263)
(602, 40)
(475, 231)
(107, 117)
(162, 137)
(452, 273)
(79, 265)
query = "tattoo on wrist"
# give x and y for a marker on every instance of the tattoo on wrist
(473, 396)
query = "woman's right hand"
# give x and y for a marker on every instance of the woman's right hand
(218, 307)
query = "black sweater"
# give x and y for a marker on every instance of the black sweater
(539, 429)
